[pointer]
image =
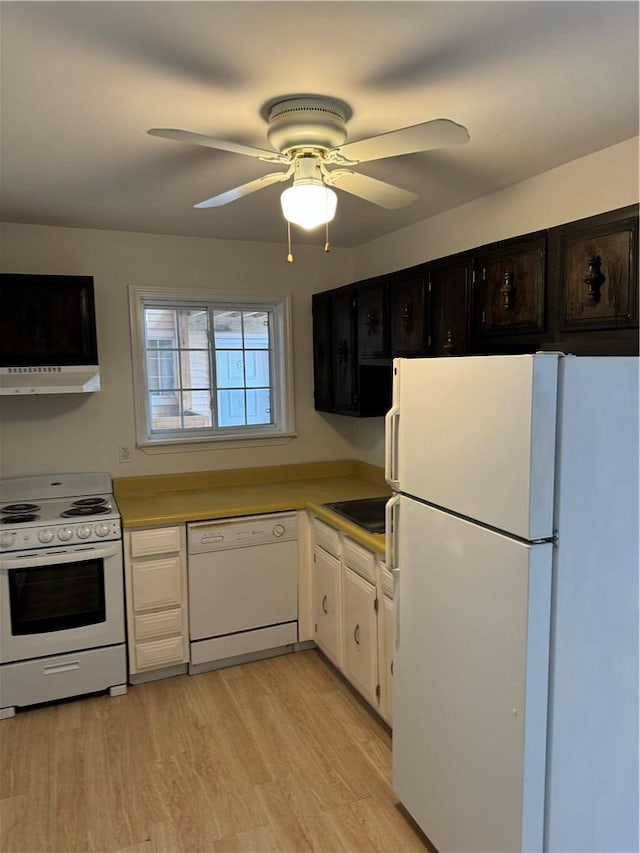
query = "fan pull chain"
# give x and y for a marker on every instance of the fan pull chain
(327, 247)
(289, 255)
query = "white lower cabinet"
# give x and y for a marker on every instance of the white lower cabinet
(327, 604)
(360, 633)
(352, 594)
(386, 646)
(156, 592)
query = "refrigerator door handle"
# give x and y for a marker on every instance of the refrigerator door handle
(391, 511)
(392, 515)
(391, 446)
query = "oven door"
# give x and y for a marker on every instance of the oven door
(64, 600)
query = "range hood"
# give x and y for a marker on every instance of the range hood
(49, 380)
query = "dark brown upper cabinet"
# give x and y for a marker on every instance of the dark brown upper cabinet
(408, 313)
(450, 305)
(322, 351)
(510, 286)
(597, 266)
(372, 319)
(344, 355)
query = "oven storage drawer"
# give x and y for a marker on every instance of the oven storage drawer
(157, 540)
(61, 676)
(160, 653)
(163, 623)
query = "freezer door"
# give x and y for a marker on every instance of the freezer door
(470, 682)
(477, 436)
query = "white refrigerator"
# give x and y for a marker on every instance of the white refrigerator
(513, 537)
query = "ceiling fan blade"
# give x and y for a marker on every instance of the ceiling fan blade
(438, 133)
(245, 189)
(370, 189)
(220, 144)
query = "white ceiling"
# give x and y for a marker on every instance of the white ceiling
(537, 84)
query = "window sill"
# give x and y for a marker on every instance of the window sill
(191, 445)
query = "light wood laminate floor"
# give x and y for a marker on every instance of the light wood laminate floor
(276, 755)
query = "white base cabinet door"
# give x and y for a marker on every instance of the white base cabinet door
(360, 622)
(386, 623)
(327, 604)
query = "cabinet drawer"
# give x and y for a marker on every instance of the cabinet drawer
(326, 537)
(150, 625)
(156, 583)
(359, 559)
(386, 581)
(160, 540)
(160, 653)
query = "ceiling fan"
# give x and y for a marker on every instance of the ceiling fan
(309, 134)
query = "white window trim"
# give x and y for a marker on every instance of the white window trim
(281, 432)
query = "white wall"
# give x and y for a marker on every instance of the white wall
(81, 432)
(603, 181)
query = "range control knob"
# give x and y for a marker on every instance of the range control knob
(83, 531)
(45, 536)
(65, 533)
(279, 530)
(6, 539)
(102, 529)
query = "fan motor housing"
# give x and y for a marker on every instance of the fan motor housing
(306, 123)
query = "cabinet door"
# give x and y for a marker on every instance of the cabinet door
(387, 631)
(598, 272)
(372, 320)
(322, 351)
(344, 355)
(512, 287)
(360, 622)
(449, 306)
(156, 584)
(408, 314)
(327, 604)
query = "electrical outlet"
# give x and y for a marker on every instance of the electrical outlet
(124, 453)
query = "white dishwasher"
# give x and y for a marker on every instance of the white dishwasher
(243, 589)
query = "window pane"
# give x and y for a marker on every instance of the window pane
(162, 368)
(196, 409)
(161, 323)
(231, 410)
(229, 369)
(195, 369)
(227, 329)
(165, 412)
(256, 329)
(256, 368)
(194, 325)
(259, 407)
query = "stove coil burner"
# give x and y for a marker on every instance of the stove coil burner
(85, 510)
(19, 518)
(89, 502)
(20, 508)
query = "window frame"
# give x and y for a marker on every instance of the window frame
(282, 402)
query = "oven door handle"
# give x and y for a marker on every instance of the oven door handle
(38, 560)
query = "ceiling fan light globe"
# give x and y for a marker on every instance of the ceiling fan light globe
(309, 205)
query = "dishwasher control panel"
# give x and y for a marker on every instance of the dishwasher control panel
(205, 536)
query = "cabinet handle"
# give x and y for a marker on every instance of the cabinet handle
(594, 279)
(343, 352)
(448, 346)
(391, 667)
(508, 292)
(356, 634)
(406, 316)
(324, 604)
(371, 322)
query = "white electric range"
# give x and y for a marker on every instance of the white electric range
(61, 589)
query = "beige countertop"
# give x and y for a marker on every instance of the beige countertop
(178, 498)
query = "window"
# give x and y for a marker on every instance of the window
(210, 367)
